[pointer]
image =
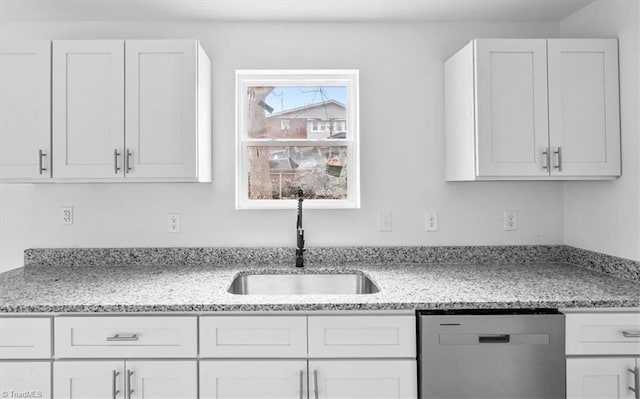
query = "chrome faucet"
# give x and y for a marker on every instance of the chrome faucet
(300, 233)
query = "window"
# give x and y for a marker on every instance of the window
(297, 130)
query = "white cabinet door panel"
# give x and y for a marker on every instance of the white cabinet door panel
(511, 107)
(584, 110)
(88, 108)
(88, 379)
(366, 379)
(171, 379)
(32, 378)
(253, 379)
(25, 109)
(161, 104)
(601, 378)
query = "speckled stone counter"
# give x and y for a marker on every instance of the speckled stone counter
(403, 286)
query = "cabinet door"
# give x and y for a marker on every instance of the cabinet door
(88, 379)
(161, 89)
(511, 107)
(88, 108)
(366, 379)
(584, 114)
(253, 379)
(171, 379)
(600, 378)
(20, 378)
(25, 109)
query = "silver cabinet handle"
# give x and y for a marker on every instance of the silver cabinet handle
(545, 158)
(631, 334)
(301, 384)
(127, 162)
(116, 154)
(636, 382)
(129, 389)
(41, 167)
(114, 390)
(559, 153)
(315, 384)
(123, 337)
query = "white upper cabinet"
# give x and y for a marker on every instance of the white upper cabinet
(131, 110)
(25, 110)
(518, 109)
(167, 109)
(584, 124)
(88, 108)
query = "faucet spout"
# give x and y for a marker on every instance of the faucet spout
(300, 233)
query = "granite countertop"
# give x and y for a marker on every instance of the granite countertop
(403, 286)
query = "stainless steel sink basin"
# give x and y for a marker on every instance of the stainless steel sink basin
(302, 284)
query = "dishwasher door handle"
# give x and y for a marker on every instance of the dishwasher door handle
(494, 339)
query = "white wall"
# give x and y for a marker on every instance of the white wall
(605, 216)
(402, 150)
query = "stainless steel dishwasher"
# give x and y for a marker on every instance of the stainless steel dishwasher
(514, 354)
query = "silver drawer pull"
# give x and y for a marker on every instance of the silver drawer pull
(129, 388)
(301, 384)
(123, 337)
(546, 158)
(41, 167)
(114, 388)
(116, 154)
(558, 152)
(636, 382)
(631, 334)
(315, 384)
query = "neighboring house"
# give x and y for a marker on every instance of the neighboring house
(315, 121)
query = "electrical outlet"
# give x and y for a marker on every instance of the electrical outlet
(67, 215)
(510, 220)
(431, 221)
(173, 222)
(385, 221)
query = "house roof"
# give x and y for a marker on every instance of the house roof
(304, 108)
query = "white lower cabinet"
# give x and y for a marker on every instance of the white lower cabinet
(611, 378)
(321, 379)
(363, 379)
(603, 354)
(139, 379)
(308, 357)
(253, 379)
(25, 379)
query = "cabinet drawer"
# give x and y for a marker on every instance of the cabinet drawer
(126, 336)
(253, 336)
(603, 333)
(362, 336)
(25, 338)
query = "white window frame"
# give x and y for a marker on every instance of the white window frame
(252, 78)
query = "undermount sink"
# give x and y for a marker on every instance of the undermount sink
(303, 284)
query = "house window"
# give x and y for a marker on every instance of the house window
(297, 130)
